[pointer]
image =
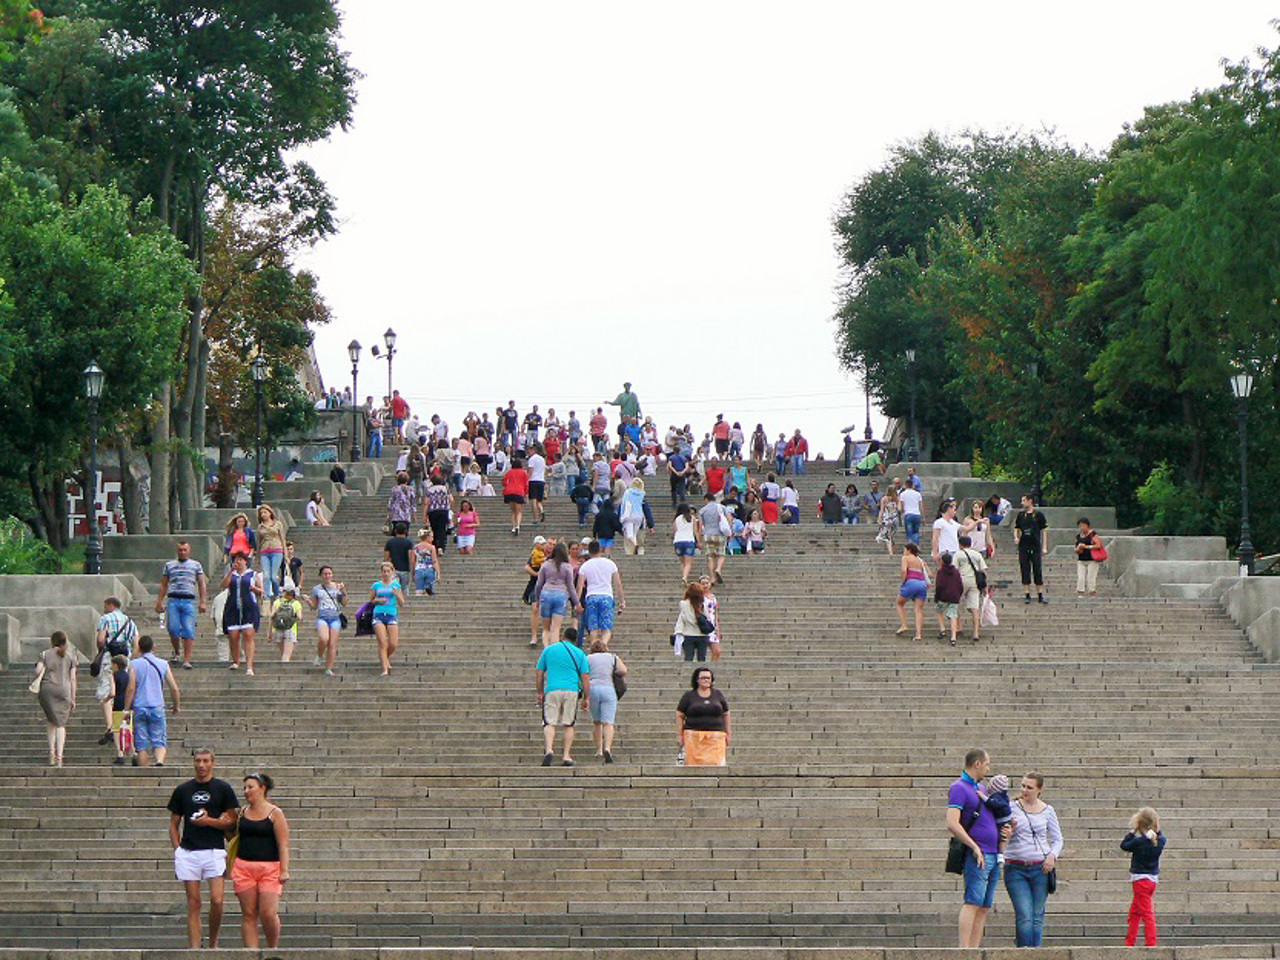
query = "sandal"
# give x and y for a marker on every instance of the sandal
(900, 631)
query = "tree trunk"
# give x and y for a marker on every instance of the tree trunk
(190, 413)
(130, 492)
(46, 522)
(1196, 454)
(199, 421)
(224, 492)
(160, 518)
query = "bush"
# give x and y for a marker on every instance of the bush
(22, 552)
(1172, 508)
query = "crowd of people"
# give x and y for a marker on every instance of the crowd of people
(726, 492)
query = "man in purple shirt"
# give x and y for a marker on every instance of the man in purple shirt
(969, 820)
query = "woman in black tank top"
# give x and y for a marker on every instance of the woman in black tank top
(261, 867)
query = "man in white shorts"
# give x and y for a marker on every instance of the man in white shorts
(201, 810)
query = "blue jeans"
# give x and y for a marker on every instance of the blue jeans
(911, 526)
(424, 579)
(375, 443)
(780, 465)
(180, 618)
(272, 563)
(797, 465)
(1028, 890)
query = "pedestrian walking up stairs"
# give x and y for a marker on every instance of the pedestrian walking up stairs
(421, 815)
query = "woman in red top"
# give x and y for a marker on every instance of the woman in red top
(515, 491)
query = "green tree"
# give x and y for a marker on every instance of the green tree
(83, 281)
(192, 102)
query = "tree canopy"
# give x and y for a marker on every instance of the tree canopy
(1135, 282)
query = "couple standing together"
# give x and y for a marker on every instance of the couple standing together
(1025, 832)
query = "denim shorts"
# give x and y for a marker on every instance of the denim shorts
(597, 613)
(606, 543)
(685, 548)
(914, 589)
(386, 619)
(149, 728)
(552, 604)
(980, 881)
(180, 617)
(604, 702)
(331, 620)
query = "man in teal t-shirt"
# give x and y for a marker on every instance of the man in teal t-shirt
(563, 676)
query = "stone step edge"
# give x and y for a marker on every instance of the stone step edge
(1209, 952)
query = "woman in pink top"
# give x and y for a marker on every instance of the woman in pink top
(468, 520)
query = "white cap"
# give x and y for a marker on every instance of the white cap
(538, 540)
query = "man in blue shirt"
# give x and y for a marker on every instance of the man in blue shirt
(969, 820)
(563, 677)
(149, 676)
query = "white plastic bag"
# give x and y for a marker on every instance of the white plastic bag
(989, 612)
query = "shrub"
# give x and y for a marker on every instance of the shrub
(1173, 508)
(22, 552)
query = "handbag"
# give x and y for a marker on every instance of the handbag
(979, 576)
(34, 685)
(619, 681)
(95, 666)
(704, 624)
(1099, 552)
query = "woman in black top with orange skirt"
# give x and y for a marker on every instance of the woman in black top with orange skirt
(261, 868)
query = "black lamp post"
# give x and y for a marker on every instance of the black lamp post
(1033, 368)
(913, 451)
(258, 368)
(93, 381)
(1242, 386)
(389, 338)
(353, 351)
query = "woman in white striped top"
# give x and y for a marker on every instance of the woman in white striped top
(1029, 858)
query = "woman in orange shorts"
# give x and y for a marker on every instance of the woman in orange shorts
(261, 868)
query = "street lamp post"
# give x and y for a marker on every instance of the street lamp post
(258, 368)
(389, 338)
(1033, 368)
(93, 382)
(913, 451)
(1242, 386)
(353, 351)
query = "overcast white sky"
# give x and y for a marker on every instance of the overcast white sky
(545, 199)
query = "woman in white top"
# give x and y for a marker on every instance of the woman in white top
(790, 501)
(1030, 858)
(685, 540)
(315, 510)
(755, 533)
(979, 533)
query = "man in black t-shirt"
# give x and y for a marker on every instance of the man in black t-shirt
(399, 552)
(201, 811)
(1031, 534)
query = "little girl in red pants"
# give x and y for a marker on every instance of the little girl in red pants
(1144, 842)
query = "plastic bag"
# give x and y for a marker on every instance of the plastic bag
(989, 612)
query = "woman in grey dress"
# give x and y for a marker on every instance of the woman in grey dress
(56, 670)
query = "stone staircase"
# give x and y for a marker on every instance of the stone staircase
(421, 817)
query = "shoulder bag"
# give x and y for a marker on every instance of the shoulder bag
(343, 622)
(979, 576)
(1099, 552)
(619, 681)
(1051, 878)
(957, 851)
